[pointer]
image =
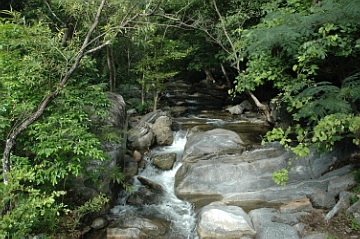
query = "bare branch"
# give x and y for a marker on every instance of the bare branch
(97, 48)
(52, 13)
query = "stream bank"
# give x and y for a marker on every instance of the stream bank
(221, 186)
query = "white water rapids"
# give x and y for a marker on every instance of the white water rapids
(180, 213)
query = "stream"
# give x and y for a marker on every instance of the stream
(181, 213)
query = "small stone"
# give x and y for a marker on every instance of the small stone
(165, 161)
(137, 156)
(99, 223)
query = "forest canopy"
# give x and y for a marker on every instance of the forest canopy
(59, 58)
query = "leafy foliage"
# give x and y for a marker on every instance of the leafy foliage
(58, 147)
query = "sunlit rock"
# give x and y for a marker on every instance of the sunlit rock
(162, 130)
(224, 222)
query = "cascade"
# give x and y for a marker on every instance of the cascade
(180, 213)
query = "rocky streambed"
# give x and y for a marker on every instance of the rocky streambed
(214, 180)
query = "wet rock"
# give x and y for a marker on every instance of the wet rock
(144, 196)
(99, 223)
(165, 161)
(130, 167)
(137, 227)
(224, 222)
(150, 184)
(162, 130)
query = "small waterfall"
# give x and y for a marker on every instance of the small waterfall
(180, 213)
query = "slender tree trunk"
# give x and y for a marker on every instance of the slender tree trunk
(236, 64)
(209, 75)
(156, 99)
(111, 68)
(226, 76)
(11, 139)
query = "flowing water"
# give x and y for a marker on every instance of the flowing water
(179, 212)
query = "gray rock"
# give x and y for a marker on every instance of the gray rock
(130, 226)
(245, 179)
(162, 130)
(262, 216)
(344, 203)
(341, 183)
(165, 161)
(153, 116)
(291, 219)
(239, 109)
(299, 205)
(227, 222)
(322, 199)
(299, 227)
(99, 223)
(276, 231)
(355, 208)
(212, 141)
(149, 194)
(141, 137)
(150, 184)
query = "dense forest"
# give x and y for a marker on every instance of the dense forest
(60, 58)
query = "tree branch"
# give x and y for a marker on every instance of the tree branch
(11, 139)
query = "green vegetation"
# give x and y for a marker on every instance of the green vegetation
(58, 59)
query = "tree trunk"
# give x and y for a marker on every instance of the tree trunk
(209, 76)
(226, 76)
(263, 107)
(156, 99)
(111, 68)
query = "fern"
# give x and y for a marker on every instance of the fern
(321, 100)
(351, 87)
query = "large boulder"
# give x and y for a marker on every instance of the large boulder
(141, 137)
(211, 142)
(224, 222)
(212, 173)
(162, 130)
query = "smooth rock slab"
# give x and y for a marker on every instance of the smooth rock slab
(224, 222)
(212, 141)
